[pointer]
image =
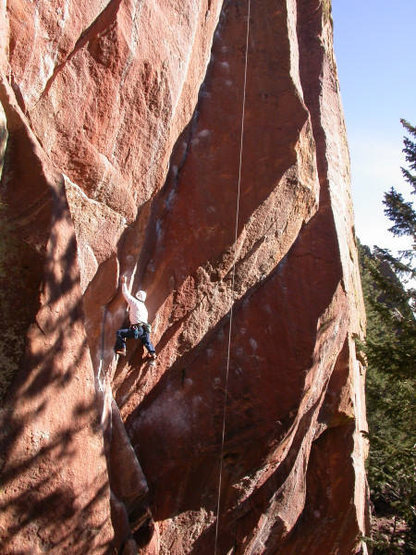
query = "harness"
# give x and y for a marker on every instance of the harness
(146, 327)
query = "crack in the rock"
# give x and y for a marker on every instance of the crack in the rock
(192, 130)
(133, 45)
(99, 24)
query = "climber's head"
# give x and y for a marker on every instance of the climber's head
(141, 295)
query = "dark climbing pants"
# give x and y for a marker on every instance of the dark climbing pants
(136, 332)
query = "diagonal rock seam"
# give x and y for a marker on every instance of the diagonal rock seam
(99, 25)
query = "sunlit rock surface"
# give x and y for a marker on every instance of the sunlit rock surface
(123, 153)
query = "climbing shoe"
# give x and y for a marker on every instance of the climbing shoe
(153, 356)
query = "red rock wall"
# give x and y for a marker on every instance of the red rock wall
(122, 126)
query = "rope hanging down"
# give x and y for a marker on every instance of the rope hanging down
(237, 215)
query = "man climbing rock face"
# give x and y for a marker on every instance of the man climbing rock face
(139, 326)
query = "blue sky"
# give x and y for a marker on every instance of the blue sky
(375, 49)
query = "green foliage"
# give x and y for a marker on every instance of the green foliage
(402, 212)
(391, 404)
(391, 377)
(397, 209)
(391, 333)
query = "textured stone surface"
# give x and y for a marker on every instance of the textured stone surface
(123, 122)
(55, 492)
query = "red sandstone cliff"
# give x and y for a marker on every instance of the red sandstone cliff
(121, 145)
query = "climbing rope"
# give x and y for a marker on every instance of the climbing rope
(237, 216)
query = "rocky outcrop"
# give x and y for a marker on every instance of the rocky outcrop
(127, 151)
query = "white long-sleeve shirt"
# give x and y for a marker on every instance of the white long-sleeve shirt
(137, 309)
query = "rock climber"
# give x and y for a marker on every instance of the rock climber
(139, 326)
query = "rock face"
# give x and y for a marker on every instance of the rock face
(207, 161)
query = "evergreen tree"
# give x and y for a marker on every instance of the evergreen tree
(400, 212)
(391, 378)
(391, 407)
